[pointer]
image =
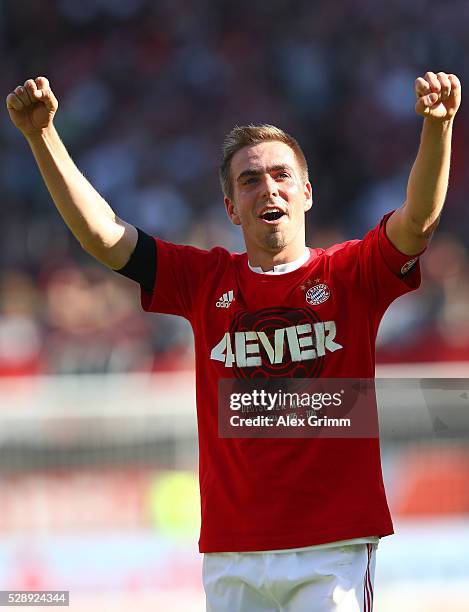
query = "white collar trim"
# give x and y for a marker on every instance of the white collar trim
(291, 266)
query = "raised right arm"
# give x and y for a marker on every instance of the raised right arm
(90, 218)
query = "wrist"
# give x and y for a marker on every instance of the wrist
(438, 124)
(39, 136)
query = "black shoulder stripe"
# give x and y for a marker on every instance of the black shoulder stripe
(141, 266)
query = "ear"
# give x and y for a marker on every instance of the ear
(308, 191)
(231, 211)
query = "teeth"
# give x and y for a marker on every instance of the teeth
(271, 210)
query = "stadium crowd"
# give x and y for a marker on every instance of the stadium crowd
(147, 91)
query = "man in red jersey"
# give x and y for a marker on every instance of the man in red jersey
(287, 524)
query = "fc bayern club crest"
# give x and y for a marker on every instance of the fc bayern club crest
(318, 294)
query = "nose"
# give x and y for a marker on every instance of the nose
(269, 187)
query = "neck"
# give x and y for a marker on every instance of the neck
(267, 259)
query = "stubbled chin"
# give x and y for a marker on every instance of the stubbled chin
(275, 240)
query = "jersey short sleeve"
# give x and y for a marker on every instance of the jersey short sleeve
(180, 275)
(391, 273)
(381, 270)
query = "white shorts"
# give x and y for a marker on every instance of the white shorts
(335, 578)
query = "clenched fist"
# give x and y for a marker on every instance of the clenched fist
(438, 95)
(32, 106)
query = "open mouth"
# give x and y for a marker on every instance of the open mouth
(272, 215)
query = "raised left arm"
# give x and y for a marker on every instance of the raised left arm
(410, 227)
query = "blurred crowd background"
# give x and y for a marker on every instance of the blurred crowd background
(147, 90)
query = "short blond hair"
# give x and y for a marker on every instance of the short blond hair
(246, 135)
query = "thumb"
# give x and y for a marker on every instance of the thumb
(424, 103)
(47, 97)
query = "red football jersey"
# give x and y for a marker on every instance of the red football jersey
(263, 493)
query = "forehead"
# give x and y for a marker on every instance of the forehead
(261, 156)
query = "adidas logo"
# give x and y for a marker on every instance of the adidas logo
(225, 300)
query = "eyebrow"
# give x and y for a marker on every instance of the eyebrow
(258, 171)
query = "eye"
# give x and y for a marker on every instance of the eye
(282, 175)
(251, 180)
